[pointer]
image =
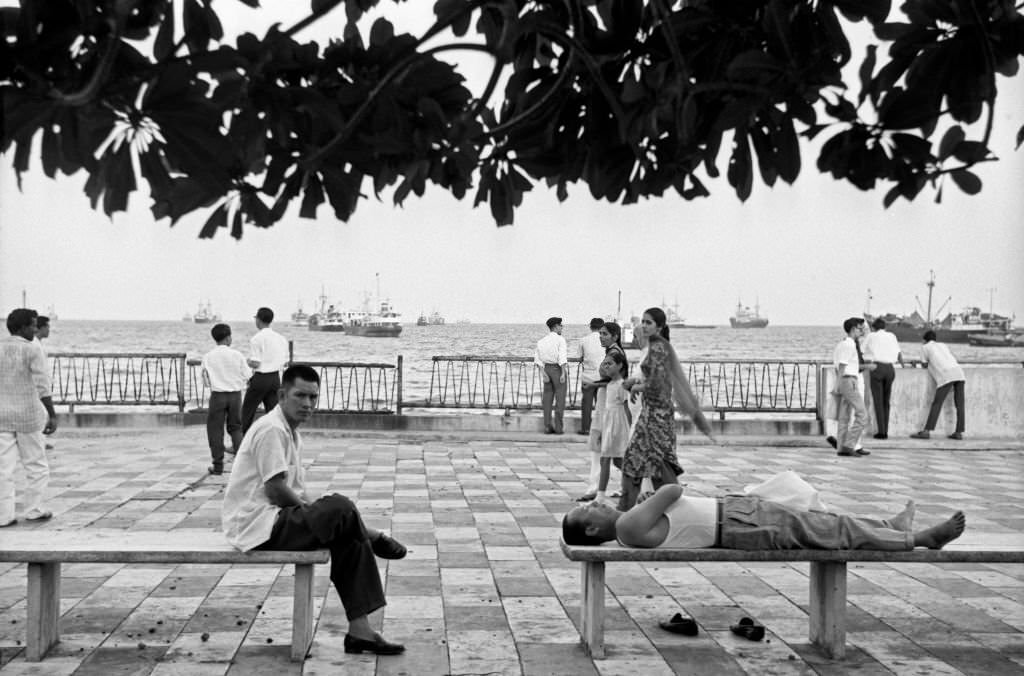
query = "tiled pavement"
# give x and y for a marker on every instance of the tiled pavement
(485, 589)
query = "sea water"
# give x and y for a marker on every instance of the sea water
(419, 344)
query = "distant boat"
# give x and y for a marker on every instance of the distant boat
(205, 314)
(463, 321)
(300, 318)
(627, 337)
(1005, 339)
(955, 327)
(673, 320)
(327, 317)
(745, 318)
(435, 319)
(384, 323)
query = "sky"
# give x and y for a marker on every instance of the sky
(809, 254)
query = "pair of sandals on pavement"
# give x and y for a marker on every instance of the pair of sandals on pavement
(746, 627)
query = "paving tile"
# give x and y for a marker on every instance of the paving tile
(485, 588)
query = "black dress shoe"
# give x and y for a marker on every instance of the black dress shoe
(387, 547)
(881, 436)
(214, 470)
(862, 451)
(832, 442)
(378, 645)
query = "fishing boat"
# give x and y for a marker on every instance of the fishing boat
(745, 318)
(954, 327)
(673, 319)
(205, 314)
(422, 320)
(435, 319)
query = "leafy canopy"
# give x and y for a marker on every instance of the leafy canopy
(631, 97)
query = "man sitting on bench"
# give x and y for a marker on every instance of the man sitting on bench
(265, 507)
(668, 519)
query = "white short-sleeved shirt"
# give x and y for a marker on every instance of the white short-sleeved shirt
(942, 365)
(846, 353)
(270, 349)
(269, 448)
(551, 349)
(881, 346)
(591, 355)
(692, 523)
(226, 369)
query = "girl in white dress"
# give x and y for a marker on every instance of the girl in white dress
(615, 421)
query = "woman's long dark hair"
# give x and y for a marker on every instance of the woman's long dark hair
(660, 320)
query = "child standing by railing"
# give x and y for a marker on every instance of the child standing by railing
(615, 419)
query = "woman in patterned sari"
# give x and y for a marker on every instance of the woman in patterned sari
(652, 448)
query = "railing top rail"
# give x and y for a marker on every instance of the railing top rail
(344, 364)
(176, 355)
(498, 357)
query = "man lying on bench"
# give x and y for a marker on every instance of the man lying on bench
(668, 519)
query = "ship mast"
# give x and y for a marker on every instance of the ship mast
(931, 285)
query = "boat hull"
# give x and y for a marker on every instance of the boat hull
(374, 331)
(329, 328)
(914, 334)
(759, 323)
(996, 340)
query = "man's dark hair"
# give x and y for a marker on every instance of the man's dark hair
(265, 315)
(299, 371)
(576, 534)
(19, 319)
(596, 323)
(878, 324)
(552, 322)
(220, 332)
(852, 322)
(42, 320)
(928, 336)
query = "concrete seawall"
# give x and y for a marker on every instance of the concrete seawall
(993, 402)
(994, 409)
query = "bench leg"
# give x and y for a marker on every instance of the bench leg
(43, 609)
(592, 614)
(828, 607)
(302, 611)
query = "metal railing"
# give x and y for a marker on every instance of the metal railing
(120, 379)
(513, 383)
(456, 382)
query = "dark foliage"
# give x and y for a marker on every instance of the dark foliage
(631, 97)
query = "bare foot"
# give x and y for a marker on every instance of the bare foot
(905, 520)
(939, 536)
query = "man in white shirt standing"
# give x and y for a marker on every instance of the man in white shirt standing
(882, 349)
(847, 365)
(225, 372)
(552, 358)
(26, 414)
(591, 356)
(948, 375)
(266, 507)
(268, 356)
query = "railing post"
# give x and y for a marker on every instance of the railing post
(398, 386)
(181, 382)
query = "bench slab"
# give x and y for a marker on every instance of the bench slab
(45, 550)
(827, 580)
(128, 546)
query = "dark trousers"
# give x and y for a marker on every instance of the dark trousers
(588, 397)
(940, 396)
(554, 394)
(881, 392)
(262, 389)
(333, 522)
(224, 410)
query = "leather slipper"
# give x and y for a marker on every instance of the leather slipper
(680, 625)
(387, 547)
(748, 629)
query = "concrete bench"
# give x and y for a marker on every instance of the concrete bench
(827, 580)
(45, 550)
